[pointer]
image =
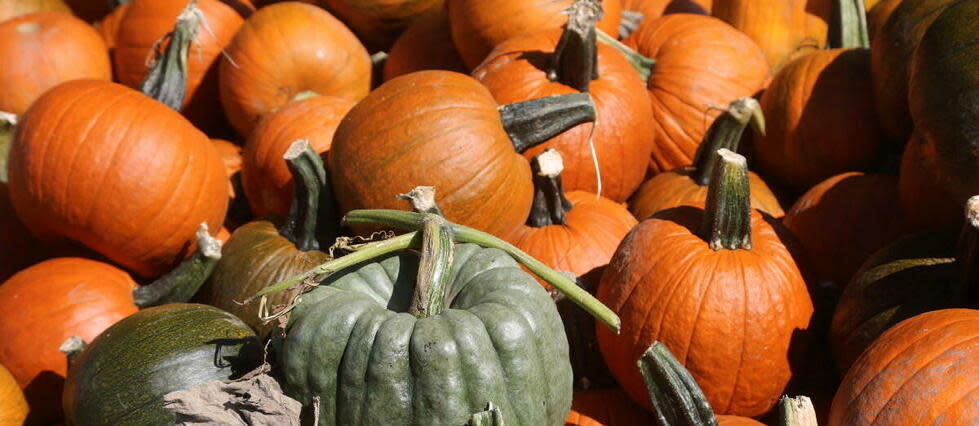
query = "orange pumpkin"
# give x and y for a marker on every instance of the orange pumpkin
(13, 406)
(878, 15)
(535, 66)
(379, 22)
(479, 25)
(47, 303)
(720, 287)
(782, 28)
(425, 45)
(702, 64)
(151, 178)
(921, 371)
(108, 27)
(40, 51)
(286, 49)
(605, 407)
(10, 9)
(230, 155)
(264, 176)
(924, 199)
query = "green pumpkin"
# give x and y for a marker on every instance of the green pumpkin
(352, 343)
(123, 375)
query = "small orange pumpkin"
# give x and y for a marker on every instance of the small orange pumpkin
(425, 45)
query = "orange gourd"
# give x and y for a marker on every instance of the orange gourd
(13, 406)
(40, 51)
(379, 22)
(878, 15)
(605, 407)
(425, 45)
(925, 200)
(10, 9)
(782, 28)
(150, 178)
(108, 27)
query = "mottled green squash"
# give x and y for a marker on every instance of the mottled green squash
(352, 343)
(121, 378)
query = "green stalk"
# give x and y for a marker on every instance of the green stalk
(727, 219)
(433, 283)
(492, 416)
(674, 393)
(575, 59)
(309, 177)
(967, 253)
(550, 205)
(850, 25)
(8, 124)
(72, 347)
(166, 79)
(643, 64)
(422, 199)
(533, 122)
(182, 283)
(725, 132)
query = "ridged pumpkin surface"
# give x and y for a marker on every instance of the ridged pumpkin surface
(701, 64)
(922, 371)
(500, 339)
(781, 28)
(434, 128)
(10, 9)
(103, 165)
(878, 15)
(925, 201)
(379, 22)
(13, 406)
(676, 188)
(40, 51)
(425, 45)
(606, 407)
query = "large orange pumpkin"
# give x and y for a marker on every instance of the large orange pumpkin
(538, 65)
(425, 45)
(108, 27)
(379, 22)
(286, 49)
(720, 288)
(702, 65)
(922, 371)
(479, 25)
(605, 407)
(133, 181)
(264, 175)
(925, 200)
(13, 406)
(47, 303)
(782, 28)
(40, 51)
(10, 9)
(878, 15)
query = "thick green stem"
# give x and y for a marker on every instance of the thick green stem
(183, 281)
(673, 392)
(727, 219)
(630, 21)
(8, 124)
(166, 79)
(432, 285)
(312, 206)
(725, 132)
(849, 28)
(575, 59)
(643, 64)
(72, 347)
(422, 199)
(966, 253)
(533, 122)
(550, 205)
(797, 411)
(492, 416)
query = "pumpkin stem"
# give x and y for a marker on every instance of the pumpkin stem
(550, 205)
(116, 3)
(72, 347)
(422, 200)
(166, 79)
(575, 59)
(533, 122)
(850, 29)
(725, 132)
(643, 64)
(8, 123)
(305, 94)
(432, 285)
(630, 21)
(727, 219)
(675, 395)
(797, 411)
(967, 248)
(311, 203)
(492, 416)
(180, 284)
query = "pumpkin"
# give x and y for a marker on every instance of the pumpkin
(925, 203)
(47, 303)
(916, 274)
(921, 371)
(689, 184)
(942, 93)
(890, 63)
(108, 27)
(152, 353)
(138, 156)
(13, 406)
(701, 63)
(262, 253)
(782, 29)
(845, 219)
(477, 26)
(559, 62)
(285, 49)
(715, 284)
(425, 45)
(230, 156)
(877, 16)
(31, 66)
(444, 129)
(264, 176)
(379, 22)
(10, 9)
(605, 407)
(576, 233)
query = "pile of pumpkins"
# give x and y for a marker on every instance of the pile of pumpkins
(489, 212)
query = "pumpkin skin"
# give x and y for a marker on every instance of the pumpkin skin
(108, 27)
(483, 182)
(30, 68)
(925, 202)
(516, 71)
(13, 406)
(676, 188)
(499, 339)
(425, 45)
(877, 16)
(477, 27)
(922, 371)
(312, 51)
(230, 155)
(753, 305)
(605, 407)
(10, 9)
(700, 62)
(152, 353)
(264, 175)
(586, 240)
(139, 155)
(779, 27)
(46, 304)
(845, 219)
(379, 22)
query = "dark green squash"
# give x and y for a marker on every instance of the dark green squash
(122, 376)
